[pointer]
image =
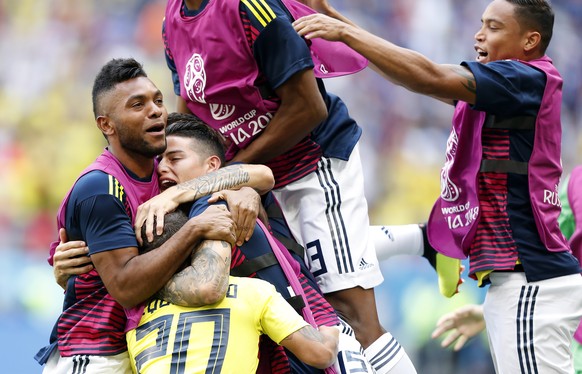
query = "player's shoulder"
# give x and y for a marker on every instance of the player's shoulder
(507, 69)
(97, 182)
(263, 11)
(255, 284)
(200, 205)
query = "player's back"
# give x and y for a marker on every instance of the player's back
(223, 336)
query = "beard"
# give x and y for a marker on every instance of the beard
(141, 146)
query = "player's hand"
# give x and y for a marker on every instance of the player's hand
(215, 223)
(320, 26)
(152, 210)
(70, 258)
(463, 324)
(244, 206)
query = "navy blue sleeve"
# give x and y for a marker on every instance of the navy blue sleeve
(507, 88)
(200, 205)
(279, 51)
(170, 62)
(97, 216)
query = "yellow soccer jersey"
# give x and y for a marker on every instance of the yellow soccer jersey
(218, 338)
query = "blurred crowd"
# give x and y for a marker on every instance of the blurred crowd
(51, 50)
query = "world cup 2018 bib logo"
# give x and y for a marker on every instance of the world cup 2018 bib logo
(195, 78)
(195, 83)
(449, 191)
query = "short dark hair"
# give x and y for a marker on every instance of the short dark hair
(536, 15)
(116, 71)
(190, 126)
(173, 221)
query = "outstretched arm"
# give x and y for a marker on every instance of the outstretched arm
(401, 66)
(463, 324)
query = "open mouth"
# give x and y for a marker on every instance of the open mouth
(166, 183)
(156, 128)
(481, 54)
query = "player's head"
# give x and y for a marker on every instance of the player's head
(514, 29)
(129, 108)
(172, 223)
(194, 149)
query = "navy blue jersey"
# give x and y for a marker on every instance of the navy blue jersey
(92, 322)
(508, 89)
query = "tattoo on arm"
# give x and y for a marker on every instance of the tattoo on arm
(309, 333)
(465, 73)
(209, 270)
(229, 177)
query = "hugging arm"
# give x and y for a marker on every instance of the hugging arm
(258, 177)
(205, 280)
(317, 348)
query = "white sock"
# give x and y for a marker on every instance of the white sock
(387, 356)
(397, 240)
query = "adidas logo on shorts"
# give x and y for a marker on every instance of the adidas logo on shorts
(365, 265)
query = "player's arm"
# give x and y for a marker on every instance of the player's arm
(70, 258)
(181, 106)
(401, 66)
(317, 348)
(302, 109)
(258, 177)
(291, 77)
(131, 278)
(245, 207)
(285, 326)
(205, 281)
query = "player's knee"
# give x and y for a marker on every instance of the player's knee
(359, 311)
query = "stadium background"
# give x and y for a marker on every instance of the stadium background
(50, 51)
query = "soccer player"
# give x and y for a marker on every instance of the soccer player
(256, 83)
(224, 336)
(99, 210)
(195, 149)
(498, 202)
(468, 321)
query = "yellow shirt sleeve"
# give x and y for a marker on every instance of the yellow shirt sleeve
(278, 319)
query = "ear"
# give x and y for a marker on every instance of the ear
(104, 124)
(532, 41)
(213, 163)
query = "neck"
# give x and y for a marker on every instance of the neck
(193, 4)
(138, 164)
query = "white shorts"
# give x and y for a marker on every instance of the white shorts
(327, 213)
(530, 324)
(80, 364)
